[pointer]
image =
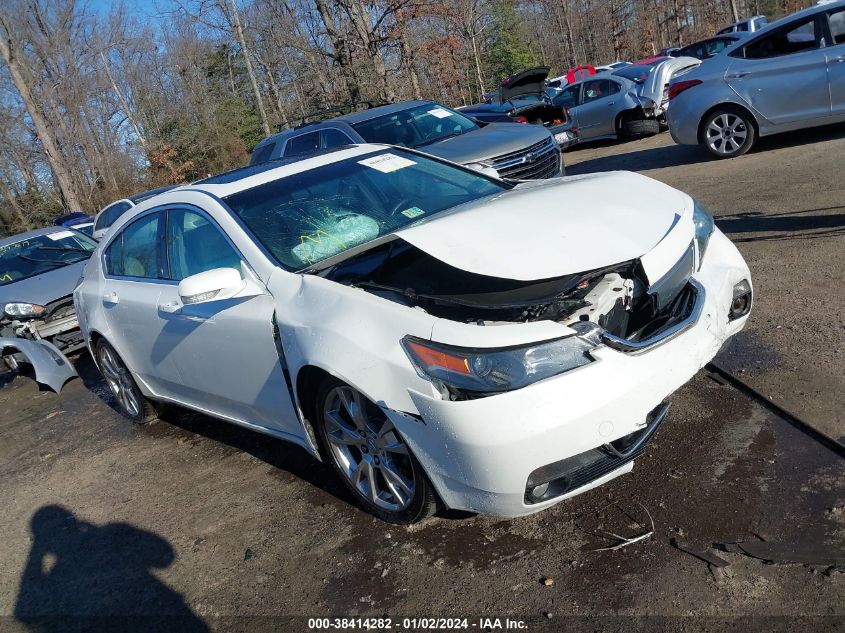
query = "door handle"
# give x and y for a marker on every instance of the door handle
(739, 75)
(610, 104)
(111, 298)
(839, 58)
(169, 308)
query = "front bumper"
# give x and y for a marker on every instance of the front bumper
(480, 454)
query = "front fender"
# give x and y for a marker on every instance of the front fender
(52, 368)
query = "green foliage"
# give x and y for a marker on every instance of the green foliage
(509, 51)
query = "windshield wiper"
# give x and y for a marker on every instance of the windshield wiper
(36, 261)
(72, 249)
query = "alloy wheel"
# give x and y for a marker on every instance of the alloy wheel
(368, 450)
(119, 381)
(726, 133)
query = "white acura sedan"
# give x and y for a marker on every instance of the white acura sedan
(436, 335)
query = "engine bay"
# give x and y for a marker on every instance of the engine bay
(616, 298)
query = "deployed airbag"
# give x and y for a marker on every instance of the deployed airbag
(334, 236)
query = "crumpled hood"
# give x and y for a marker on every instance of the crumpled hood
(43, 288)
(561, 226)
(487, 142)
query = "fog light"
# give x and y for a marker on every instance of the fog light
(741, 302)
(538, 491)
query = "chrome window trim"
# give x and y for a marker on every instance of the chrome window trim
(164, 208)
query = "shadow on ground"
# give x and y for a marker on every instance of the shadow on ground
(674, 155)
(85, 577)
(177, 422)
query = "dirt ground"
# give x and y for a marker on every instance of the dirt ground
(190, 524)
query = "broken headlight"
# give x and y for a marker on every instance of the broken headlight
(487, 371)
(704, 227)
(23, 310)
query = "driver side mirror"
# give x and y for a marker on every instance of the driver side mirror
(211, 285)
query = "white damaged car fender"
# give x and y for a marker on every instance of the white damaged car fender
(52, 368)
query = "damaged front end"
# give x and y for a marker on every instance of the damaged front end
(41, 336)
(614, 305)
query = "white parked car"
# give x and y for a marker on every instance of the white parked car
(434, 334)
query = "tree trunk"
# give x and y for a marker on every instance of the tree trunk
(239, 33)
(17, 69)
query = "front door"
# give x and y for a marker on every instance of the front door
(597, 112)
(784, 73)
(225, 350)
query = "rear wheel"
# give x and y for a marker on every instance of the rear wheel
(130, 401)
(639, 128)
(728, 133)
(370, 456)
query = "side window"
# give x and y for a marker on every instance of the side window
(135, 252)
(262, 154)
(114, 257)
(597, 89)
(110, 214)
(837, 26)
(303, 144)
(335, 138)
(569, 97)
(195, 244)
(793, 38)
(613, 87)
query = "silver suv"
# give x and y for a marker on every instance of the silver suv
(516, 152)
(788, 76)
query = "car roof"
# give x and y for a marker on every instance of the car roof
(251, 176)
(139, 197)
(351, 119)
(13, 239)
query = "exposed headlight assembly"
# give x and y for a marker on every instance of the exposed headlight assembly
(704, 227)
(23, 310)
(466, 371)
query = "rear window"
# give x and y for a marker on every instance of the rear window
(262, 154)
(637, 74)
(109, 215)
(796, 37)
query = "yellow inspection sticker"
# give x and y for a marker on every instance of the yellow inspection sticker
(387, 163)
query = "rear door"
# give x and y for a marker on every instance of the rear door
(783, 74)
(133, 284)
(835, 58)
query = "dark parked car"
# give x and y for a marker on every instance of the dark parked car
(522, 98)
(518, 152)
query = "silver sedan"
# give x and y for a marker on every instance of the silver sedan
(788, 76)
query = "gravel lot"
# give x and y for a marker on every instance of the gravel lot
(193, 524)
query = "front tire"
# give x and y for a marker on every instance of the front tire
(130, 401)
(728, 133)
(370, 456)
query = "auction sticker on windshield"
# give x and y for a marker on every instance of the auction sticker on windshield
(387, 163)
(440, 113)
(60, 235)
